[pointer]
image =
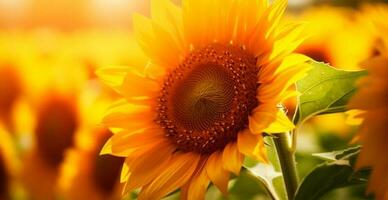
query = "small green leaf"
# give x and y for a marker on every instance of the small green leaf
(266, 175)
(246, 187)
(336, 172)
(325, 90)
(336, 155)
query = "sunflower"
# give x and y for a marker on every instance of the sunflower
(350, 44)
(372, 99)
(3, 179)
(55, 122)
(11, 82)
(216, 73)
(8, 164)
(117, 47)
(10, 90)
(85, 174)
(48, 116)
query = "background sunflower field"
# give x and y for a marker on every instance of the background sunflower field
(51, 101)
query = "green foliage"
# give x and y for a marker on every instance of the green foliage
(325, 90)
(246, 186)
(336, 172)
(266, 175)
(340, 154)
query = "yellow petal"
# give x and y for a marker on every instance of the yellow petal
(155, 41)
(122, 80)
(107, 148)
(195, 23)
(277, 10)
(127, 116)
(232, 159)
(281, 124)
(262, 116)
(291, 60)
(288, 41)
(137, 88)
(260, 42)
(113, 76)
(217, 174)
(354, 117)
(252, 145)
(276, 88)
(124, 173)
(243, 22)
(147, 167)
(126, 142)
(196, 187)
(169, 16)
(176, 174)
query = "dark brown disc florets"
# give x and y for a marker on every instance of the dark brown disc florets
(3, 179)
(207, 99)
(107, 168)
(57, 122)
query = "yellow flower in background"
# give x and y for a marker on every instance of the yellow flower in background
(10, 91)
(86, 49)
(59, 101)
(85, 174)
(342, 38)
(372, 98)
(338, 36)
(11, 81)
(56, 118)
(49, 114)
(54, 123)
(216, 72)
(369, 15)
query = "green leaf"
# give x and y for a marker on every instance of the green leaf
(247, 187)
(337, 155)
(336, 172)
(325, 90)
(266, 175)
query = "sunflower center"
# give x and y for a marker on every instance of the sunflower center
(107, 168)
(10, 89)
(207, 99)
(56, 125)
(108, 172)
(3, 179)
(317, 53)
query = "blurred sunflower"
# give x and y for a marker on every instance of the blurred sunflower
(372, 99)
(85, 174)
(10, 91)
(217, 71)
(341, 37)
(11, 82)
(8, 164)
(52, 127)
(3, 179)
(117, 46)
(49, 116)
(336, 37)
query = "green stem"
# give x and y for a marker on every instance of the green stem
(286, 158)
